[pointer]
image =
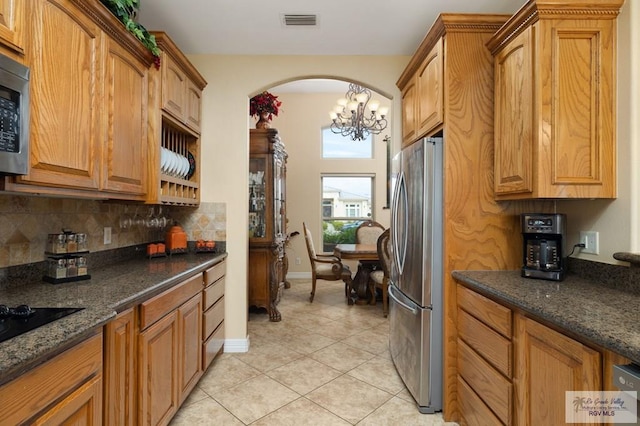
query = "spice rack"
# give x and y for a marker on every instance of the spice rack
(66, 260)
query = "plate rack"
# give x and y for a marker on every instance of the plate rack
(175, 187)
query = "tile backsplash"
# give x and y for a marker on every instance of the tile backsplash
(26, 221)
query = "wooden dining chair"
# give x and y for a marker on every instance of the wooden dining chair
(380, 277)
(368, 232)
(325, 266)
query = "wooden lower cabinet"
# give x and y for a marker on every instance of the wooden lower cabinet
(514, 370)
(547, 365)
(169, 350)
(213, 313)
(120, 382)
(82, 407)
(66, 390)
(158, 371)
(190, 346)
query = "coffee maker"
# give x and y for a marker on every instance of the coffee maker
(543, 238)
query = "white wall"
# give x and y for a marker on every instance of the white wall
(225, 132)
(617, 221)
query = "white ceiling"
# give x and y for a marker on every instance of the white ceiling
(345, 27)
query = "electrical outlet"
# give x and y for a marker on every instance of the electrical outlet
(107, 235)
(297, 261)
(590, 241)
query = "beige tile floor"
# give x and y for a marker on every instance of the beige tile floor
(325, 363)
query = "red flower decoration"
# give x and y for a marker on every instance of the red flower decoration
(264, 103)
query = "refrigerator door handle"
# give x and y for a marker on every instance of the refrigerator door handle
(411, 309)
(402, 197)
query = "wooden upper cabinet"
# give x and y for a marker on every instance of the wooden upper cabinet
(409, 96)
(555, 109)
(513, 133)
(63, 52)
(12, 15)
(125, 147)
(430, 82)
(182, 84)
(89, 94)
(174, 88)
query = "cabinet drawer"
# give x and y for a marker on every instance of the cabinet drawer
(214, 273)
(154, 309)
(493, 347)
(491, 313)
(472, 409)
(213, 293)
(495, 390)
(213, 317)
(213, 346)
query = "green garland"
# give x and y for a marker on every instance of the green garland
(125, 11)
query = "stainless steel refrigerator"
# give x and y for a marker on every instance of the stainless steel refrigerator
(415, 290)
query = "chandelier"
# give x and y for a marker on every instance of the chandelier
(351, 117)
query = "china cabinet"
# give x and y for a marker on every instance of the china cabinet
(555, 109)
(267, 219)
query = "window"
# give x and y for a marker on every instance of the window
(346, 203)
(338, 146)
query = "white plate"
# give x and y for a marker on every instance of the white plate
(185, 167)
(163, 159)
(173, 163)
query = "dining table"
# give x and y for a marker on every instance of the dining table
(362, 291)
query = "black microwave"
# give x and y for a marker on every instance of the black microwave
(14, 117)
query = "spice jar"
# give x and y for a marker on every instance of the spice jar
(72, 268)
(57, 243)
(72, 243)
(82, 242)
(57, 268)
(81, 262)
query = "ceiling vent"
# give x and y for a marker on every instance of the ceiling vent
(293, 20)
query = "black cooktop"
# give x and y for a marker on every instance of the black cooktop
(23, 318)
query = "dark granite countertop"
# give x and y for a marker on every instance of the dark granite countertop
(110, 290)
(581, 308)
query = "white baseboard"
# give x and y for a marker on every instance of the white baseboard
(236, 345)
(299, 276)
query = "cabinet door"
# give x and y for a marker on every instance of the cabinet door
(194, 102)
(409, 113)
(547, 365)
(513, 116)
(11, 22)
(119, 370)
(125, 148)
(158, 371)
(82, 407)
(190, 335)
(174, 88)
(430, 90)
(63, 52)
(577, 149)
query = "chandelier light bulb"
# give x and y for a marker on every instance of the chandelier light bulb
(361, 98)
(373, 105)
(352, 106)
(338, 109)
(383, 111)
(333, 115)
(342, 102)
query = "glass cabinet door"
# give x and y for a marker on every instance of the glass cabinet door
(257, 198)
(279, 213)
